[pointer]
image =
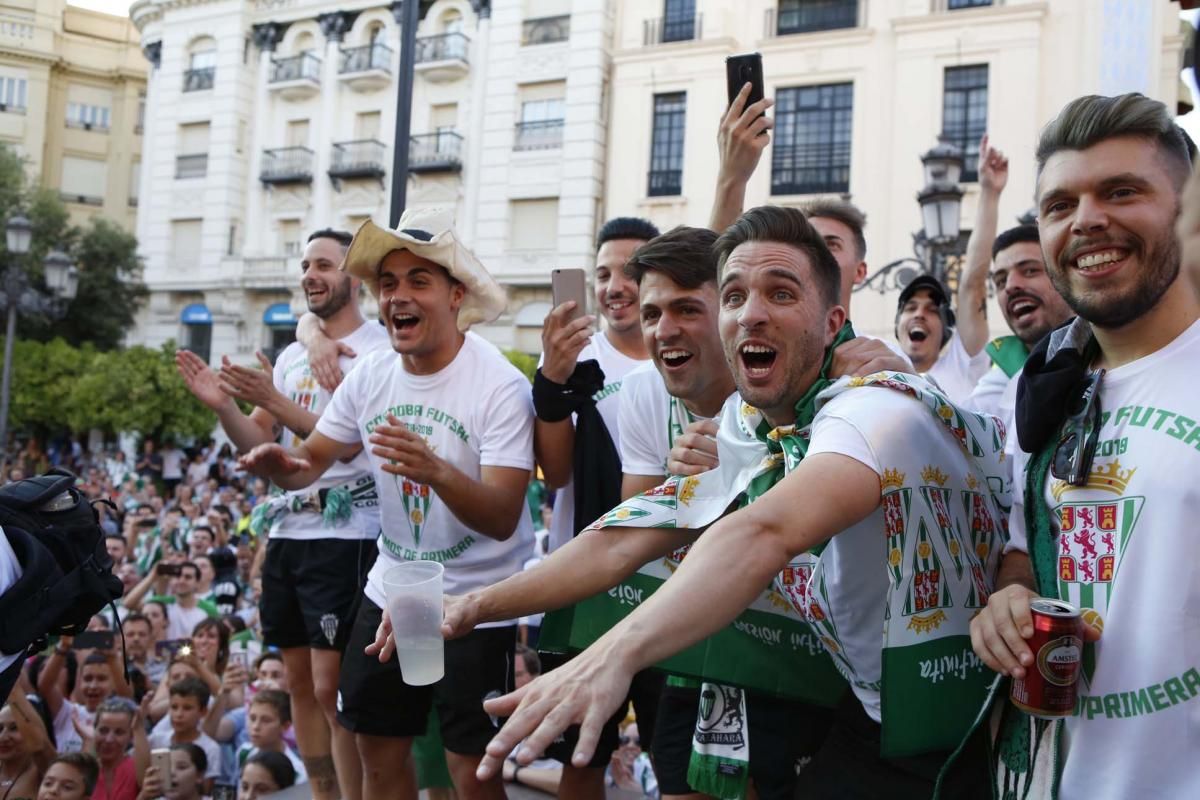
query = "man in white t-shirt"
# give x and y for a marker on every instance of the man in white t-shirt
(447, 425)
(172, 468)
(1110, 450)
(321, 538)
(925, 331)
(779, 317)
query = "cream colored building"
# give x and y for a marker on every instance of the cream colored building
(72, 94)
(862, 89)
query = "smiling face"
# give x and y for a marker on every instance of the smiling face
(327, 289)
(919, 329)
(206, 642)
(114, 732)
(616, 293)
(1030, 303)
(96, 684)
(1107, 216)
(418, 302)
(679, 327)
(774, 326)
(271, 674)
(12, 743)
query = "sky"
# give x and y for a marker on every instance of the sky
(1190, 122)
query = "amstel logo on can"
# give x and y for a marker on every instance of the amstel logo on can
(1059, 660)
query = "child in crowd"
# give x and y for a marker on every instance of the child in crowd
(189, 704)
(71, 776)
(98, 678)
(269, 717)
(263, 774)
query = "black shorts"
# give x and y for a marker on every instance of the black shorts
(311, 589)
(373, 700)
(643, 693)
(782, 732)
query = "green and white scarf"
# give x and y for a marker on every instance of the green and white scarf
(1008, 353)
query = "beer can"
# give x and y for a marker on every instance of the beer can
(1049, 687)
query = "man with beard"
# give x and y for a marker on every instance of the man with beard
(447, 425)
(1106, 413)
(320, 539)
(1031, 305)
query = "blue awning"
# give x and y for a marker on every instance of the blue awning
(196, 314)
(279, 314)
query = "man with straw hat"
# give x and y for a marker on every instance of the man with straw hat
(447, 423)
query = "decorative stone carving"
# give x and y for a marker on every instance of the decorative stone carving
(267, 34)
(334, 25)
(153, 54)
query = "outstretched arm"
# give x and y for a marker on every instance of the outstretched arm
(972, 288)
(256, 386)
(723, 573)
(300, 466)
(741, 139)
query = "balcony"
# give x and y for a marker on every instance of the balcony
(541, 135)
(442, 58)
(287, 165)
(197, 80)
(362, 158)
(98, 127)
(11, 108)
(296, 77)
(663, 31)
(546, 30)
(268, 272)
(809, 16)
(191, 166)
(435, 152)
(366, 69)
(81, 199)
(665, 182)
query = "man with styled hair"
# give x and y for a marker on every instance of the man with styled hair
(1103, 516)
(319, 539)
(793, 438)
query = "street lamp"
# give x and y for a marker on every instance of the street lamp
(940, 238)
(18, 295)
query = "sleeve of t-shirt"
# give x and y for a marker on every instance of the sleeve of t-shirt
(639, 446)
(1018, 539)
(986, 396)
(852, 422)
(972, 368)
(339, 420)
(507, 431)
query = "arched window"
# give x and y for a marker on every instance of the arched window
(452, 22)
(303, 43)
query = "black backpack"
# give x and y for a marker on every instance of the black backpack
(66, 572)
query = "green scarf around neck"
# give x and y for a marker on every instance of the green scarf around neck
(1008, 353)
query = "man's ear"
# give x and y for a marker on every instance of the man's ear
(860, 273)
(835, 318)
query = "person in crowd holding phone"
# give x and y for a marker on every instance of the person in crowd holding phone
(318, 550)
(139, 648)
(184, 607)
(100, 675)
(189, 705)
(576, 436)
(446, 422)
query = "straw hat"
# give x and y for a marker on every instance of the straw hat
(428, 233)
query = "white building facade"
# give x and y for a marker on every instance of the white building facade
(862, 89)
(269, 119)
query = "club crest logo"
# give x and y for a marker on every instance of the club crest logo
(329, 628)
(416, 498)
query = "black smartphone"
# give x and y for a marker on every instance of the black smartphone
(169, 570)
(743, 69)
(94, 640)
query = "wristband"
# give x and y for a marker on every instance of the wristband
(552, 402)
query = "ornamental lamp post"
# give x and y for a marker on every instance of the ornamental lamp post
(18, 295)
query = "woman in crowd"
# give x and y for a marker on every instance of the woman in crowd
(25, 747)
(118, 723)
(210, 643)
(265, 773)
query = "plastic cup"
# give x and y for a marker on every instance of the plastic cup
(414, 605)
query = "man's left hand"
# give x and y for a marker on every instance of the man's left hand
(254, 386)
(407, 454)
(586, 692)
(865, 356)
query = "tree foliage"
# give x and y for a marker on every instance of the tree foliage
(522, 361)
(110, 273)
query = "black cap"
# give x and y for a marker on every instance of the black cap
(935, 287)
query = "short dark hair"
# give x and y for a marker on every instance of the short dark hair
(784, 226)
(1087, 121)
(197, 755)
(626, 228)
(94, 659)
(341, 237)
(192, 687)
(193, 565)
(533, 664)
(276, 699)
(1021, 233)
(136, 616)
(269, 655)
(842, 211)
(683, 254)
(280, 767)
(86, 764)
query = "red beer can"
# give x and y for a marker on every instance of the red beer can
(1048, 689)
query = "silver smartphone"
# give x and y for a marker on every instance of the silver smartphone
(570, 284)
(160, 759)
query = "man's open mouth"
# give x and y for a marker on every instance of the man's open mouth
(1022, 307)
(675, 357)
(918, 333)
(402, 322)
(757, 359)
